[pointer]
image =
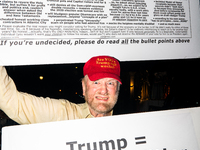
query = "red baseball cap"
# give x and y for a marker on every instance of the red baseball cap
(102, 67)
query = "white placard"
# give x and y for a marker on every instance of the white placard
(162, 130)
(72, 31)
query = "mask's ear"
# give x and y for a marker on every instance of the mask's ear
(83, 86)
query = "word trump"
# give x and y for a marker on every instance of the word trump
(102, 145)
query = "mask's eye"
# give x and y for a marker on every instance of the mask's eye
(96, 82)
(110, 83)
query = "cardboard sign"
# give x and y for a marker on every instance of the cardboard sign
(162, 130)
(66, 31)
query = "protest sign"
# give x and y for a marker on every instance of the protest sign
(162, 130)
(71, 31)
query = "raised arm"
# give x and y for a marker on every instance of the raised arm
(26, 108)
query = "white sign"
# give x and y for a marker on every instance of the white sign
(72, 31)
(162, 130)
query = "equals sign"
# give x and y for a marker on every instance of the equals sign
(140, 140)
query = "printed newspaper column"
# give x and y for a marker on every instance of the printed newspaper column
(111, 24)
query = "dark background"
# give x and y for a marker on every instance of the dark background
(172, 84)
